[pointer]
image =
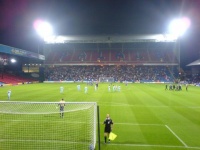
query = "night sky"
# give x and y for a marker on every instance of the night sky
(98, 17)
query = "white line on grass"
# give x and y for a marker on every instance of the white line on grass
(39, 141)
(135, 124)
(112, 144)
(176, 135)
(150, 106)
(194, 107)
(79, 122)
(146, 145)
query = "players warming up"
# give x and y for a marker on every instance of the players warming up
(61, 89)
(78, 87)
(62, 106)
(97, 85)
(86, 89)
(113, 88)
(186, 87)
(108, 127)
(119, 88)
(108, 88)
(9, 94)
(166, 87)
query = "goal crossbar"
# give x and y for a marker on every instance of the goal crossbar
(20, 107)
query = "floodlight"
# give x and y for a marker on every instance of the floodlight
(43, 28)
(178, 26)
(13, 60)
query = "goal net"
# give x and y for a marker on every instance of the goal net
(40, 125)
(106, 79)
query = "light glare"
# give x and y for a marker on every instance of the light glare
(55, 39)
(13, 60)
(179, 26)
(43, 28)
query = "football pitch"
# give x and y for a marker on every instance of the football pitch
(145, 116)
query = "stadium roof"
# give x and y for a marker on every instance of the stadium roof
(110, 38)
(194, 63)
(19, 52)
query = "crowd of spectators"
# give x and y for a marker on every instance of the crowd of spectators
(194, 79)
(3, 59)
(111, 55)
(119, 73)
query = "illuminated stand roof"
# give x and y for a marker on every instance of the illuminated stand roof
(195, 63)
(110, 39)
(97, 42)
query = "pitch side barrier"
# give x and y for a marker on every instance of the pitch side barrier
(13, 84)
(104, 82)
(66, 81)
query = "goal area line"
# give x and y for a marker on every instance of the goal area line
(138, 124)
(149, 145)
(41, 141)
(111, 144)
(150, 106)
(79, 122)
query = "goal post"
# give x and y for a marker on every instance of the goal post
(39, 125)
(106, 79)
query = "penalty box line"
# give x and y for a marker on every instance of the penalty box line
(138, 124)
(176, 135)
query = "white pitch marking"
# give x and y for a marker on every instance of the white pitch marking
(176, 135)
(135, 124)
(47, 141)
(131, 145)
(150, 106)
(78, 122)
(194, 107)
(145, 145)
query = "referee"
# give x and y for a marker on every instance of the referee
(108, 127)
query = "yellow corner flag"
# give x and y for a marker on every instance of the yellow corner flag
(112, 136)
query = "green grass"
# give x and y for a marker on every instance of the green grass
(146, 117)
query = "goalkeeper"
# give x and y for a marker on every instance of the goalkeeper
(108, 127)
(61, 105)
(9, 94)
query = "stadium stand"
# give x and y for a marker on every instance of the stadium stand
(112, 55)
(193, 79)
(13, 79)
(133, 62)
(119, 73)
